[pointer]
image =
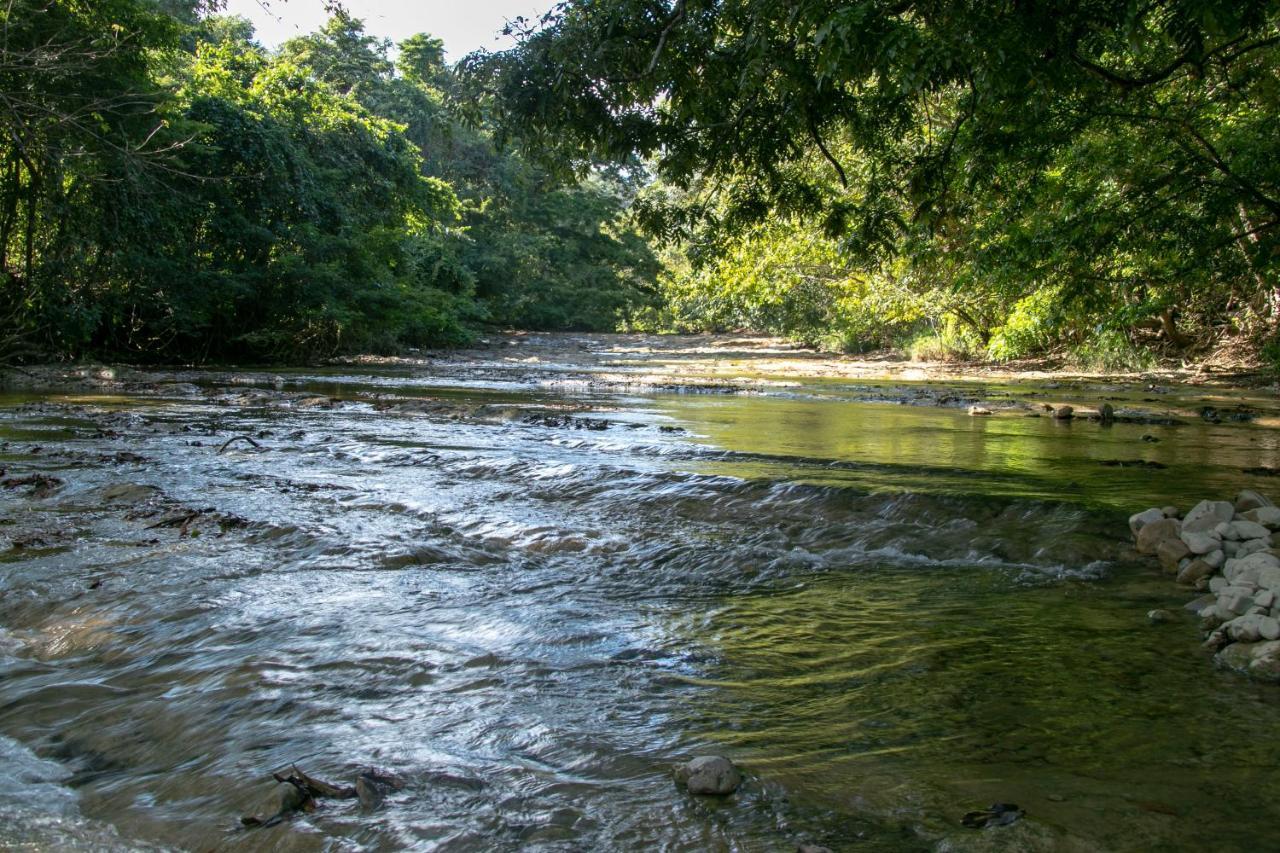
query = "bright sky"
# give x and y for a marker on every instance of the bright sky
(465, 25)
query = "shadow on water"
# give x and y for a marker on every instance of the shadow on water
(890, 615)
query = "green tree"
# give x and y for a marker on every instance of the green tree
(1112, 153)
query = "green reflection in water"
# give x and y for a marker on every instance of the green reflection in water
(902, 698)
(886, 701)
(925, 449)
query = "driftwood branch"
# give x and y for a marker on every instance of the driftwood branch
(234, 439)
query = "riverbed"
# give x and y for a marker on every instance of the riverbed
(532, 578)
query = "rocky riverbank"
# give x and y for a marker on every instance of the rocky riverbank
(1227, 550)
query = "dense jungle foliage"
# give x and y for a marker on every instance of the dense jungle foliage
(994, 180)
(171, 190)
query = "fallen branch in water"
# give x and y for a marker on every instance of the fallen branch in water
(314, 787)
(236, 438)
(296, 791)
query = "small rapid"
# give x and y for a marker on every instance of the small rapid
(530, 602)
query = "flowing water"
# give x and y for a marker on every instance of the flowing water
(889, 615)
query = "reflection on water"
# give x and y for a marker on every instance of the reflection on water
(887, 446)
(891, 615)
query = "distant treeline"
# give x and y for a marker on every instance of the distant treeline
(172, 191)
(1099, 178)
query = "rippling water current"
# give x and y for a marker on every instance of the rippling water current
(889, 615)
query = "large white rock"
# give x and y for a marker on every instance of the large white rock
(1201, 543)
(1245, 530)
(1253, 546)
(1267, 516)
(1252, 627)
(1252, 568)
(1269, 578)
(1218, 584)
(1207, 515)
(1215, 559)
(1236, 600)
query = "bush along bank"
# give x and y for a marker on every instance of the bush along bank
(1225, 549)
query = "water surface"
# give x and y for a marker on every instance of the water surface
(889, 614)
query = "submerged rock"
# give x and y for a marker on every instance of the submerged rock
(709, 774)
(1198, 605)
(1258, 660)
(1157, 617)
(373, 786)
(284, 799)
(999, 814)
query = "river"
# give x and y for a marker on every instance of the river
(530, 592)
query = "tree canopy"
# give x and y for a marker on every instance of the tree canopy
(1118, 155)
(172, 190)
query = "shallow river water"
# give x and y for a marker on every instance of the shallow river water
(888, 614)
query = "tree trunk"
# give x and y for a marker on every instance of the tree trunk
(1169, 328)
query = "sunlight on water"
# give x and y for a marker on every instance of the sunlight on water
(889, 614)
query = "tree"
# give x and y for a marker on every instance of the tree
(946, 132)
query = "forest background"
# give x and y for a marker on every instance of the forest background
(1098, 181)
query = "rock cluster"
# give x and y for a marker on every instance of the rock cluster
(1227, 550)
